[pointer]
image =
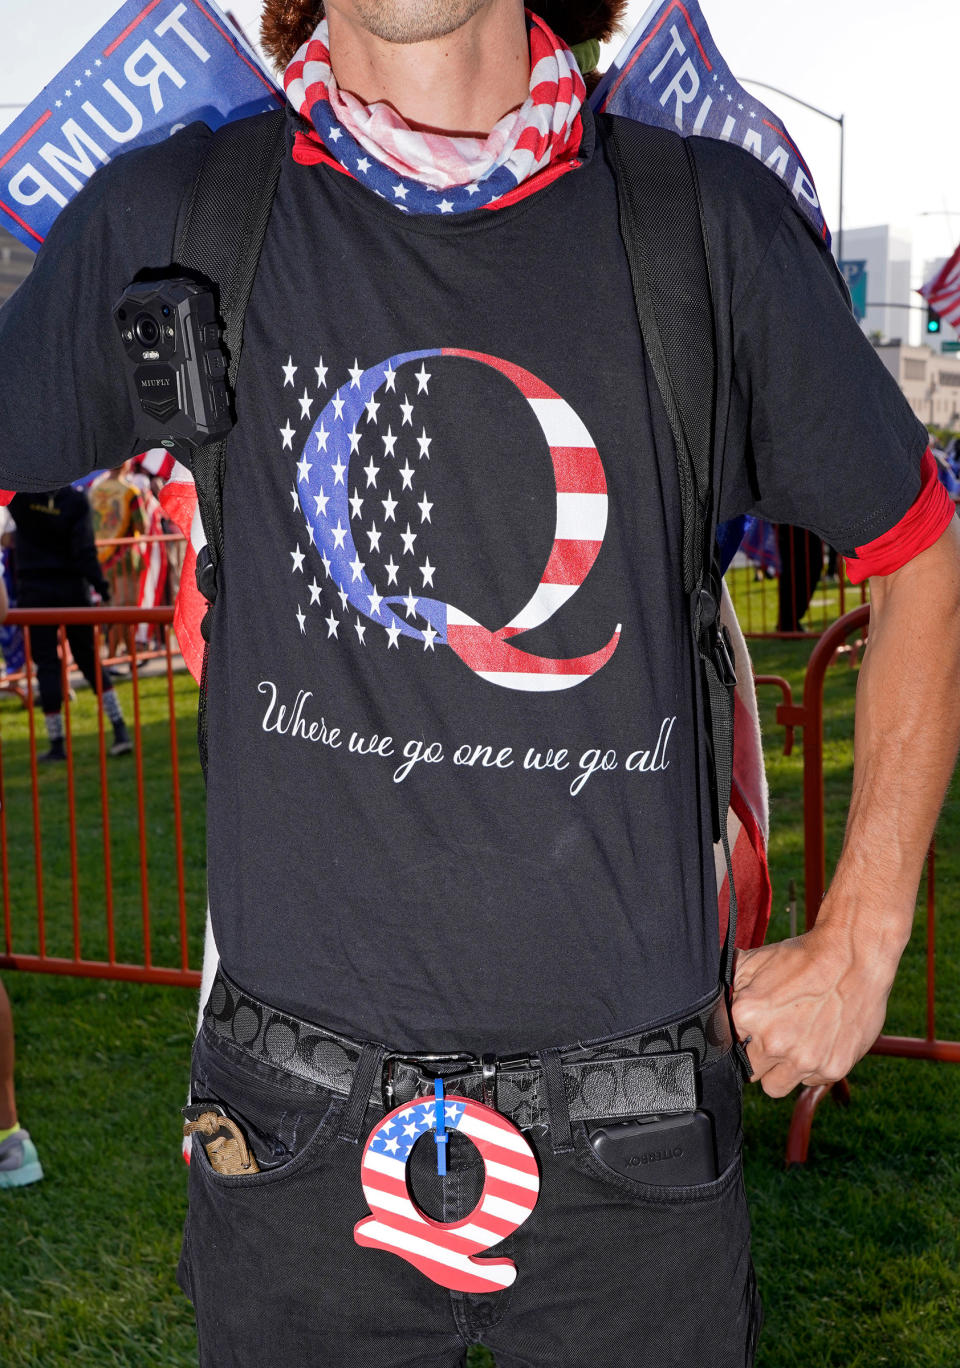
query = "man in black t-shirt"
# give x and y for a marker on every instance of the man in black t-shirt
(457, 786)
(57, 566)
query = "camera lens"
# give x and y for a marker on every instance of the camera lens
(147, 330)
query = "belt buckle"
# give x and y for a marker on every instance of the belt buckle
(422, 1064)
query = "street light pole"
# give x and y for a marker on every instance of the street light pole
(948, 214)
(834, 118)
(843, 141)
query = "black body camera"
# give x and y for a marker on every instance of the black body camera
(176, 363)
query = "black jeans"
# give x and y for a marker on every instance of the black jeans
(611, 1272)
(60, 593)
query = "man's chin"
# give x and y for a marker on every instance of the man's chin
(409, 21)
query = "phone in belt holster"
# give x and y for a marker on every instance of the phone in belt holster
(664, 1151)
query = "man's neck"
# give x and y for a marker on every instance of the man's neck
(462, 83)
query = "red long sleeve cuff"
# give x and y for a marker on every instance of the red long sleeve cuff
(924, 522)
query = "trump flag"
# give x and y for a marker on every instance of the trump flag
(156, 66)
(670, 73)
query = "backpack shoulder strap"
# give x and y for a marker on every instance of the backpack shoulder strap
(220, 233)
(662, 230)
(661, 222)
(221, 227)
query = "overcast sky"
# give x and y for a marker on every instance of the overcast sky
(884, 64)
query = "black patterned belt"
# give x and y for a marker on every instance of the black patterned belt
(650, 1072)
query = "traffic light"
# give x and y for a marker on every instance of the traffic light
(933, 320)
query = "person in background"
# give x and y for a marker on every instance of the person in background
(152, 555)
(19, 1164)
(946, 474)
(56, 561)
(117, 508)
(801, 565)
(11, 638)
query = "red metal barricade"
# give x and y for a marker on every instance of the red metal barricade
(809, 716)
(148, 640)
(62, 925)
(788, 596)
(132, 816)
(777, 682)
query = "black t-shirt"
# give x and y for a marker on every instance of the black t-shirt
(54, 539)
(457, 792)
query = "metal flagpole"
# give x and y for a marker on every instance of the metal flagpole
(834, 118)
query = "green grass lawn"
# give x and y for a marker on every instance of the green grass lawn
(756, 601)
(858, 1253)
(156, 885)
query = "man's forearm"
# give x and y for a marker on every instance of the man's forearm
(814, 1005)
(906, 739)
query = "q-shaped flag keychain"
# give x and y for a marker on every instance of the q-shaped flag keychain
(443, 1251)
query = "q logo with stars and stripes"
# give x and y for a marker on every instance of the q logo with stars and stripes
(322, 489)
(443, 1251)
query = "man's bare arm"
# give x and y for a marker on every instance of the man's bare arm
(814, 1005)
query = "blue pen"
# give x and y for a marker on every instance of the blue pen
(441, 1131)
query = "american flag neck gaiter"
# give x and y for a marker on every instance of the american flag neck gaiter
(435, 173)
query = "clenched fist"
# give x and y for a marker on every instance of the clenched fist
(811, 1006)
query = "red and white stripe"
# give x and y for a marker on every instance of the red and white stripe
(178, 499)
(748, 813)
(443, 1251)
(547, 126)
(581, 523)
(451, 161)
(942, 291)
(157, 462)
(153, 572)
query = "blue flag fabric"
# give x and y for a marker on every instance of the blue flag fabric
(670, 73)
(154, 67)
(160, 64)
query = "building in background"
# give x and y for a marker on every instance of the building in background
(887, 252)
(930, 382)
(946, 334)
(15, 264)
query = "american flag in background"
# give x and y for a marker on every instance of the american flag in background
(363, 485)
(443, 1252)
(178, 499)
(942, 291)
(153, 570)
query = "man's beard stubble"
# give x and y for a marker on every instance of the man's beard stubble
(414, 21)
